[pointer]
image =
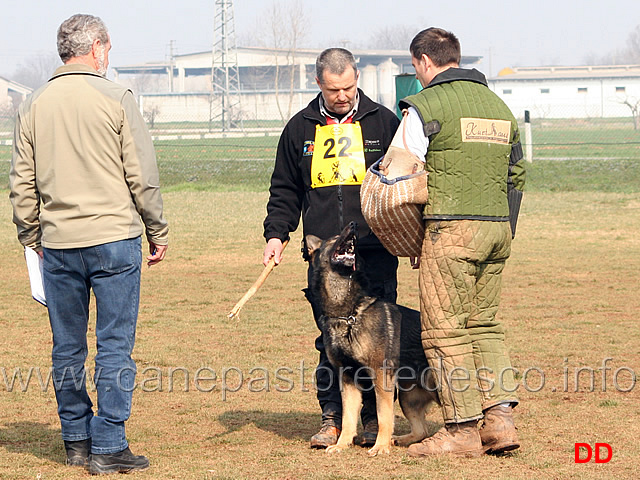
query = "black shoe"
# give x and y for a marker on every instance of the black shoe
(121, 462)
(78, 452)
(369, 435)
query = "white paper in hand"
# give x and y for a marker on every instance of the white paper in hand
(34, 266)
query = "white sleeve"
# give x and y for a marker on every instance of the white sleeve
(413, 131)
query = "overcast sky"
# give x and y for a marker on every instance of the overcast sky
(505, 33)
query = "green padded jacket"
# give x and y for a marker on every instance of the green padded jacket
(474, 158)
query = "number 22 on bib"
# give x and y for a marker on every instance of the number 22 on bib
(338, 156)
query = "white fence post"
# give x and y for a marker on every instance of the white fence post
(528, 154)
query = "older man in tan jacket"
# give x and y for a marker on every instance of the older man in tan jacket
(84, 187)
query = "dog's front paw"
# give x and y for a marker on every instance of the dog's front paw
(336, 449)
(379, 449)
(405, 440)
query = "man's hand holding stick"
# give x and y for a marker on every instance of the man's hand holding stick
(272, 257)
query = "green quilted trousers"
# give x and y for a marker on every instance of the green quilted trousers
(460, 282)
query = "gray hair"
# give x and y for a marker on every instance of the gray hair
(336, 61)
(77, 34)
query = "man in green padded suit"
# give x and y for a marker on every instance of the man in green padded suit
(471, 146)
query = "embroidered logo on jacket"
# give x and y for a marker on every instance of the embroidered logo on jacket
(485, 130)
(307, 148)
(372, 146)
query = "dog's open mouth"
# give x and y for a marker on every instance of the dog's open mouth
(344, 253)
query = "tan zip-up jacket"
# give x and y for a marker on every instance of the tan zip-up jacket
(83, 171)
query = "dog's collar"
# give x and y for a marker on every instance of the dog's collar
(353, 318)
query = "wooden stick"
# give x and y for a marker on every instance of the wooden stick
(258, 283)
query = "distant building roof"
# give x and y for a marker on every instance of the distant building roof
(368, 56)
(560, 72)
(246, 55)
(16, 87)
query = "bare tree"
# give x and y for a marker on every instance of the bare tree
(284, 30)
(634, 106)
(144, 83)
(633, 46)
(395, 37)
(621, 55)
(150, 115)
(36, 70)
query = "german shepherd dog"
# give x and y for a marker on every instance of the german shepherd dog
(366, 336)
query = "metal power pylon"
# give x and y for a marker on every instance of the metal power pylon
(225, 80)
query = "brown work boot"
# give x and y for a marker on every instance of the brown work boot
(369, 435)
(457, 439)
(327, 436)
(499, 433)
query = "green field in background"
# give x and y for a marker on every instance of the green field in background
(569, 155)
(584, 138)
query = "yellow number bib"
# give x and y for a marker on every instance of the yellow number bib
(338, 156)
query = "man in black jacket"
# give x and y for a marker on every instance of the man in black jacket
(323, 154)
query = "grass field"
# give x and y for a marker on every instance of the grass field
(585, 138)
(233, 399)
(252, 175)
(552, 138)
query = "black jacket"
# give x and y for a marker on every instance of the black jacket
(325, 211)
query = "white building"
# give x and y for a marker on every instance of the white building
(273, 83)
(11, 94)
(569, 92)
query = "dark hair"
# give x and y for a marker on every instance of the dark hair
(77, 34)
(336, 60)
(442, 47)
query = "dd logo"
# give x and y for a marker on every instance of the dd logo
(590, 452)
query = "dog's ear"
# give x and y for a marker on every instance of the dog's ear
(313, 243)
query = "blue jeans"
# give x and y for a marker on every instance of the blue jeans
(112, 270)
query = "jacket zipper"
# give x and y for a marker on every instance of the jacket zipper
(340, 209)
